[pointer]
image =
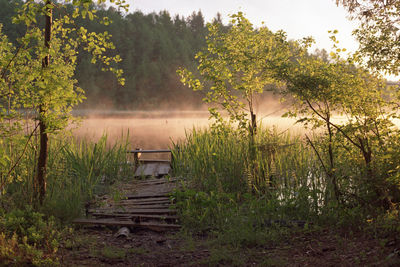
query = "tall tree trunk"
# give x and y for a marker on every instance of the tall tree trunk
(253, 127)
(42, 161)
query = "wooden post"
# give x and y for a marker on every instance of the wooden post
(136, 156)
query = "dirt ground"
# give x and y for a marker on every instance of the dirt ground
(98, 246)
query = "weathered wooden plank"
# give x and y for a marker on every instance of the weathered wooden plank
(142, 202)
(147, 199)
(141, 206)
(153, 195)
(153, 169)
(155, 182)
(130, 207)
(137, 211)
(136, 216)
(113, 215)
(138, 202)
(112, 222)
(148, 206)
(161, 217)
(150, 151)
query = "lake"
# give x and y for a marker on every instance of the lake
(153, 129)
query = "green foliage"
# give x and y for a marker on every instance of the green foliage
(205, 211)
(205, 154)
(30, 224)
(82, 171)
(223, 161)
(78, 172)
(151, 46)
(280, 168)
(241, 222)
(345, 174)
(111, 252)
(365, 135)
(38, 77)
(27, 238)
(45, 92)
(237, 65)
(377, 33)
(233, 195)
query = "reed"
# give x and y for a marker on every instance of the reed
(236, 185)
(77, 172)
(279, 165)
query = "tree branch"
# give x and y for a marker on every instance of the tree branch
(318, 155)
(20, 157)
(333, 125)
(3, 73)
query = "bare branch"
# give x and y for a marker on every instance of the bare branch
(333, 125)
(20, 157)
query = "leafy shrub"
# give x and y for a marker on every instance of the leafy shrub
(26, 237)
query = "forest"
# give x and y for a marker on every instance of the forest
(152, 47)
(244, 194)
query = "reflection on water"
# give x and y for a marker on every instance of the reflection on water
(154, 130)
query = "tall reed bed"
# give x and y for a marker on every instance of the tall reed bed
(77, 171)
(279, 171)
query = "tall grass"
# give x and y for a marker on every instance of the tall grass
(210, 162)
(281, 166)
(77, 171)
(272, 177)
(84, 169)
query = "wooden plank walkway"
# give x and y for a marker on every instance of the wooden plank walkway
(129, 223)
(144, 203)
(147, 206)
(154, 169)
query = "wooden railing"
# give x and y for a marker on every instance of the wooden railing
(136, 153)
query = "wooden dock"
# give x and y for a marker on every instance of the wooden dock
(150, 168)
(146, 202)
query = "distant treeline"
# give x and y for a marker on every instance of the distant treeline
(152, 47)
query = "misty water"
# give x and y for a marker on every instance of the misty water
(158, 129)
(154, 129)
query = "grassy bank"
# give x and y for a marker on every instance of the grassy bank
(77, 173)
(242, 193)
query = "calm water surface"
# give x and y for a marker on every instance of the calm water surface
(154, 130)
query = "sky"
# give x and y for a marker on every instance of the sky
(298, 18)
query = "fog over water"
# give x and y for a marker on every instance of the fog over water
(155, 129)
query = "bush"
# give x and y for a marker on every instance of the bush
(26, 237)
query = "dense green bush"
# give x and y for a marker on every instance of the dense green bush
(27, 237)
